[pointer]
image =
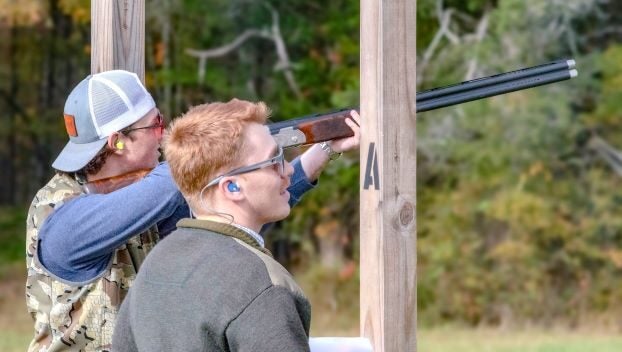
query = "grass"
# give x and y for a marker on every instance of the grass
(15, 323)
(446, 339)
(530, 340)
(15, 326)
(335, 313)
(12, 342)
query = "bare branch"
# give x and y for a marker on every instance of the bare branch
(480, 33)
(607, 153)
(444, 18)
(603, 32)
(203, 55)
(274, 35)
(284, 63)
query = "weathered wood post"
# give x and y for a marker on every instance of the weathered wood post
(118, 36)
(388, 175)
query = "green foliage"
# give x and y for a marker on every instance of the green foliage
(607, 111)
(334, 311)
(322, 46)
(12, 236)
(518, 220)
(79, 10)
(335, 198)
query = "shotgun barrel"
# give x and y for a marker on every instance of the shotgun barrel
(559, 65)
(316, 128)
(495, 89)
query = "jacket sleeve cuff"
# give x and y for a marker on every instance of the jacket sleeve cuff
(300, 184)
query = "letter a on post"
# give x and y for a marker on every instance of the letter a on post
(371, 170)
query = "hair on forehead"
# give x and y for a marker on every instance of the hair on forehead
(207, 139)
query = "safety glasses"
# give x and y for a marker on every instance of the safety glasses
(159, 127)
(278, 161)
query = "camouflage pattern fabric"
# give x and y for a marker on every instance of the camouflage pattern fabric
(69, 316)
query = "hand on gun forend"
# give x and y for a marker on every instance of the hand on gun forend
(349, 143)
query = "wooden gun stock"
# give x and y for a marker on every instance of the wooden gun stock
(312, 128)
(111, 184)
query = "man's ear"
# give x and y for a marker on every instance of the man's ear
(116, 142)
(230, 189)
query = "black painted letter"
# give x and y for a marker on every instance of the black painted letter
(372, 166)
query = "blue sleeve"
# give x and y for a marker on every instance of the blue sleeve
(300, 184)
(78, 239)
(169, 224)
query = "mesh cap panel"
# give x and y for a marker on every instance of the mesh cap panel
(134, 92)
(107, 105)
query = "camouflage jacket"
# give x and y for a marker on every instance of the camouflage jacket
(76, 316)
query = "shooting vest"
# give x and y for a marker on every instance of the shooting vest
(76, 316)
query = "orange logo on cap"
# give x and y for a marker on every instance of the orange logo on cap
(70, 125)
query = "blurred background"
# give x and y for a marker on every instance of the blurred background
(519, 211)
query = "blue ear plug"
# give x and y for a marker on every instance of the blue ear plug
(233, 187)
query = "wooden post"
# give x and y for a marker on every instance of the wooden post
(118, 36)
(388, 175)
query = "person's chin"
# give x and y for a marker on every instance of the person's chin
(286, 195)
(283, 213)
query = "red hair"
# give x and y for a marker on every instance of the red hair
(208, 140)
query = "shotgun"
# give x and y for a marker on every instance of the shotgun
(317, 128)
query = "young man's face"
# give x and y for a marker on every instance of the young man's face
(143, 141)
(265, 189)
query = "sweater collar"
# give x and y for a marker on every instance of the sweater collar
(236, 231)
(251, 232)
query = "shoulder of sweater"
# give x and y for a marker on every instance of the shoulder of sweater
(279, 276)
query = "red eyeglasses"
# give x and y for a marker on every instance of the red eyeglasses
(159, 127)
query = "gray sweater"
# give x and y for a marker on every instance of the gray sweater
(210, 287)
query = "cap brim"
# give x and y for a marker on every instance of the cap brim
(75, 156)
